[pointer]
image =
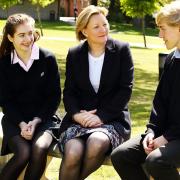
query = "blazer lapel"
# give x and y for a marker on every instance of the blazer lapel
(84, 63)
(108, 60)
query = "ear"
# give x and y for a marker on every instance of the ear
(10, 38)
(84, 32)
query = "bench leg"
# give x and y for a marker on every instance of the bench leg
(49, 158)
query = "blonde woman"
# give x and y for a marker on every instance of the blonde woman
(98, 86)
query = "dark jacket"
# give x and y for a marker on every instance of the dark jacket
(35, 93)
(111, 100)
(165, 114)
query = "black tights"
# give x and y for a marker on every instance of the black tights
(82, 157)
(31, 153)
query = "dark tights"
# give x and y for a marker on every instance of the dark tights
(81, 157)
(31, 153)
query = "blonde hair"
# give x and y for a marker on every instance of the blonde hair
(170, 14)
(84, 17)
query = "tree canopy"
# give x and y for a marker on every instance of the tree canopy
(38, 4)
(41, 3)
(4, 4)
(140, 8)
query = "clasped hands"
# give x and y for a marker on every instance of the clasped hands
(28, 129)
(87, 118)
(150, 144)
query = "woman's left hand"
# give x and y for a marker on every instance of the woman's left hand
(91, 119)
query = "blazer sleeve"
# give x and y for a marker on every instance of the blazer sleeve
(159, 106)
(70, 92)
(158, 112)
(7, 96)
(118, 102)
(53, 89)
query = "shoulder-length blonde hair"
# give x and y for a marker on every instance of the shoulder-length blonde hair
(84, 18)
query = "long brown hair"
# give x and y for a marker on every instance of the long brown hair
(10, 28)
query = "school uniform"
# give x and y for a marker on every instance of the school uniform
(28, 92)
(164, 121)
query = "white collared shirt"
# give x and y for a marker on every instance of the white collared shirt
(177, 53)
(34, 56)
(95, 68)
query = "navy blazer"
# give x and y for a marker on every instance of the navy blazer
(165, 114)
(111, 100)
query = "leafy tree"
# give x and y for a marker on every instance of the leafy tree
(4, 4)
(104, 3)
(39, 4)
(141, 8)
(115, 13)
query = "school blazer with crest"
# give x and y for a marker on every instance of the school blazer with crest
(111, 100)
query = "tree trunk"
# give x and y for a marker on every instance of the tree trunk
(39, 18)
(114, 10)
(58, 10)
(111, 5)
(68, 8)
(143, 31)
(94, 2)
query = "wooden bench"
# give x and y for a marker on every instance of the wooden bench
(53, 152)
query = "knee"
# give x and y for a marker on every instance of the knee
(40, 146)
(72, 157)
(98, 146)
(42, 142)
(118, 155)
(153, 162)
(23, 155)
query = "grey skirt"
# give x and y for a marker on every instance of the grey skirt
(76, 131)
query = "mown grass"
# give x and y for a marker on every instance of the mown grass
(145, 82)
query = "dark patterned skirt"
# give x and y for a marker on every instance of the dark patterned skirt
(76, 131)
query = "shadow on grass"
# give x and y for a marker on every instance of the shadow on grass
(130, 29)
(56, 25)
(142, 96)
(138, 47)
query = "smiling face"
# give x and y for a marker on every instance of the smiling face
(23, 38)
(170, 35)
(97, 29)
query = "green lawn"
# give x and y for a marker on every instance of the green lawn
(146, 75)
